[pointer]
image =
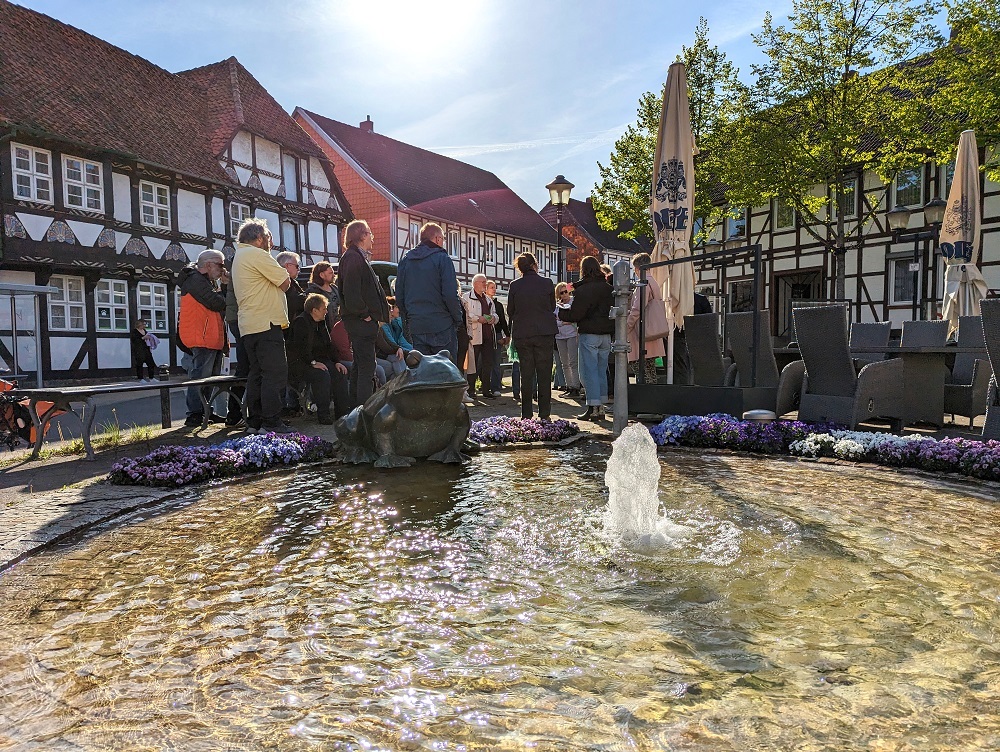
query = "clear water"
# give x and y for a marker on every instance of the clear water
(483, 608)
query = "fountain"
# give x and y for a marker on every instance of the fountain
(479, 607)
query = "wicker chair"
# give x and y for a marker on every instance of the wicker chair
(702, 335)
(965, 394)
(832, 390)
(869, 335)
(924, 334)
(991, 333)
(739, 331)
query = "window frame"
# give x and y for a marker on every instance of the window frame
(490, 251)
(853, 197)
(454, 244)
(234, 231)
(413, 236)
(61, 281)
(919, 171)
(85, 187)
(153, 289)
(472, 248)
(117, 310)
(155, 205)
(32, 174)
(894, 262)
(732, 222)
(780, 204)
(508, 254)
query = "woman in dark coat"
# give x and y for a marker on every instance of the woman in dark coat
(592, 302)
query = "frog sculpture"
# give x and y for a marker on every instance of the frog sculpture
(418, 413)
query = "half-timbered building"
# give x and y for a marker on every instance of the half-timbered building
(587, 238)
(397, 187)
(882, 276)
(114, 173)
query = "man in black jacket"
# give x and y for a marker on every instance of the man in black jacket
(530, 306)
(311, 360)
(363, 307)
(502, 331)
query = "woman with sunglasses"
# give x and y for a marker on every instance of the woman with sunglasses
(567, 342)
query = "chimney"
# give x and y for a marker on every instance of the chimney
(367, 124)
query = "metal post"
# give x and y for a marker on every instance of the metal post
(560, 252)
(619, 347)
(756, 316)
(640, 370)
(14, 366)
(38, 342)
(916, 279)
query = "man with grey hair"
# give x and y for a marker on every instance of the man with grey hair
(202, 326)
(295, 299)
(260, 283)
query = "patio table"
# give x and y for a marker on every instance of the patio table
(924, 375)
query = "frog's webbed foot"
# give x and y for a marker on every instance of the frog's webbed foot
(356, 455)
(450, 456)
(394, 460)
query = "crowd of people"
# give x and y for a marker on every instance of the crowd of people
(341, 336)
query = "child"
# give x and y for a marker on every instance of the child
(143, 343)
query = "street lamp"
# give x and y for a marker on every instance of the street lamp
(559, 190)
(899, 220)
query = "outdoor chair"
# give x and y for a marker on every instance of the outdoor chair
(702, 335)
(990, 308)
(965, 393)
(832, 391)
(739, 331)
(869, 335)
(924, 334)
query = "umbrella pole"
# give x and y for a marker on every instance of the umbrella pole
(670, 334)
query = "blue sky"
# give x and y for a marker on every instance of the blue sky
(524, 89)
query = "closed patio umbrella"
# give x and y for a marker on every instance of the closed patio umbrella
(964, 285)
(673, 204)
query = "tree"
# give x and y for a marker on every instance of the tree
(824, 108)
(623, 193)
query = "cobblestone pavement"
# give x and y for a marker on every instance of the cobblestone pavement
(43, 501)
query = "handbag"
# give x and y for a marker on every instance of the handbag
(656, 319)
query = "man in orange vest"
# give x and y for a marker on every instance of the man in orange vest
(202, 325)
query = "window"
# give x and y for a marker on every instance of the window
(454, 243)
(784, 215)
(32, 173)
(902, 280)
(472, 246)
(66, 305)
(155, 203)
(741, 296)
(910, 187)
(949, 178)
(290, 236)
(490, 254)
(508, 254)
(414, 240)
(153, 305)
(111, 302)
(82, 184)
(736, 223)
(849, 198)
(238, 214)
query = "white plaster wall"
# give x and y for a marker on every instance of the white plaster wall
(270, 184)
(317, 175)
(123, 196)
(121, 238)
(219, 218)
(86, 232)
(293, 192)
(782, 264)
(272, 223)
(241, 148)
(873, 261)
(113, 352)
(62, 350)
(156, 246)
(268, 156)
(191, 212)
(193, 250)
(242, 173)
(34, 224)
(27, 353)
(321, 197)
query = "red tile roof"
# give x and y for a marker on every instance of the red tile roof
(581, 213)
(236, 100)
(59, 82)
(436, 185)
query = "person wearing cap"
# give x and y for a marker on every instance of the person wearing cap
(201, 326)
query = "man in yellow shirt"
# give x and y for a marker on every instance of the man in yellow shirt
(260, 283)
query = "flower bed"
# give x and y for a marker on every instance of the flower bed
(501, 429)
(978, 459)
(174, 466)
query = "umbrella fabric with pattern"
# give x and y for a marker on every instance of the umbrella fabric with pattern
(964, 285)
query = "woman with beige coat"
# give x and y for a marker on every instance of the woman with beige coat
(481, 316)
(655, 324)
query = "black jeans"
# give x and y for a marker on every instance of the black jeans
(242, 371)
(483, 354)
(144, 360)
(267, 377)
(327, 385)
(535, 355)
(362, 335)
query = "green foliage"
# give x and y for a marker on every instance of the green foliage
(623, 193)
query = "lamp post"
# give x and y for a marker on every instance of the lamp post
(899, 219)
(559, 190)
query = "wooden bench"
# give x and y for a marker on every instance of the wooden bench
(63, 399)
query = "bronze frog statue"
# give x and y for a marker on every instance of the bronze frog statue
(418, 413)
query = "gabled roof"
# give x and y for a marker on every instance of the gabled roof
(236, 100)
(581, 213)
(60, 82)
(436, 185)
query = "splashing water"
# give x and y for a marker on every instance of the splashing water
(633, 478)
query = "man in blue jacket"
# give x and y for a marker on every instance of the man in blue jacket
(427, 295)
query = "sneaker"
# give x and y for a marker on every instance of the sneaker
(194, 420)
(280, 428)
(251, 430)
(467, 399)
(234, 421)
(214, 418)
(143, 381)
